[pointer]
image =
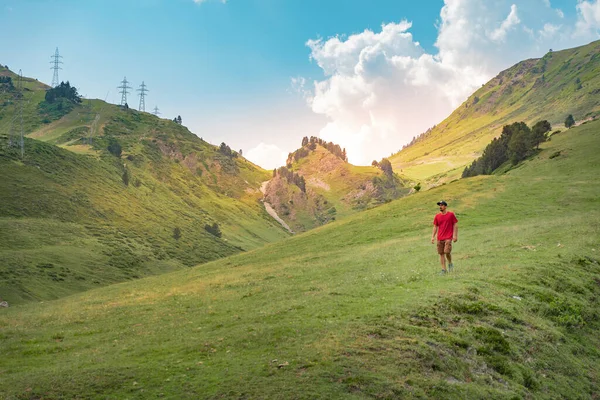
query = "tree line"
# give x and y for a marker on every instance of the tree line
(226, 151)
(516, 143)
(310, 144)
(291, 177)
(6, 81)
(385, 165)
(58, 102)
(63, 91)
(418, 138)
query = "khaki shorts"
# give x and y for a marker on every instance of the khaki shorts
(444, 246)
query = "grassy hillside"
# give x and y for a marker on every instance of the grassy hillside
(32, 94)
(353, 309)
(334, 189)
(74, 215)
(560, 83)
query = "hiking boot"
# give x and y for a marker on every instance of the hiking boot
(443, 272)
(450, 267)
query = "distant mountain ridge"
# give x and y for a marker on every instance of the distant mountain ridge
(549, 88)
(105, 194)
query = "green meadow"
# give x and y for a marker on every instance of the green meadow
(354, 309)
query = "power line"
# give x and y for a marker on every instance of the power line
(89, 118)
(142, 95)
(156, 111)
(21, 98)
(124, 92)
(13, 136)
(19, 111)
(55, 61)
(16, 135)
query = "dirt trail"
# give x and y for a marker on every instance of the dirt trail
(583, 121)
(270, 210)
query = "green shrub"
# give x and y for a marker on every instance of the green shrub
(493, 341)
(114, 147)
(176, 233)
(566, 313)
(125, 177)
(570, 121)
(213, 229)
(554, 155)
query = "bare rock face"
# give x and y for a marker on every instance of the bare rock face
(367, 189)
(300, 210)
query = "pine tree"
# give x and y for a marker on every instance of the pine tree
(570, 121)
(518, 146)
(538, 132)
(386, 167)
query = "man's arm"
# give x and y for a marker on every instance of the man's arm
(455, 232)
(435, 229)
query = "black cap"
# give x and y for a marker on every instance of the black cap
(442, 203)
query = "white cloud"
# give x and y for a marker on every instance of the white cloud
(558, 11)
(588, 18)
(268, 156)
(299, 85)
(382, 88)
(549, 30)
(499, 34)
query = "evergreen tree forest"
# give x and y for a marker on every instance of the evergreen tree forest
(516, 143)
(291, 177)
(310, 144)
(58, 102)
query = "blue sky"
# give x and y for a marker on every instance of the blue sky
(242, 72)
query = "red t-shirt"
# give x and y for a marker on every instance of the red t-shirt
(445, 224)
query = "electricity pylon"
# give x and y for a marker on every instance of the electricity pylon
(124, 92)
(55, 61)
(142, 95)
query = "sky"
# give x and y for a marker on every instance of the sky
(261, 74)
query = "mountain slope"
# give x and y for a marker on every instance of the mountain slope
(354, 309)
(142, 195)
(330, 188)
(560, 83)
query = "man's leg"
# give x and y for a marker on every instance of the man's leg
(440, 250)
(443, 262)
(448, 252)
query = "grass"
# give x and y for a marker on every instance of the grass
(353, 309)
(113, 230)
(530, 91)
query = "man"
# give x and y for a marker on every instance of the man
(445, 225)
